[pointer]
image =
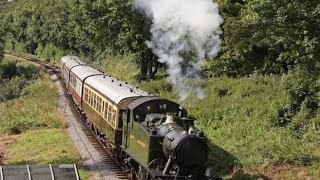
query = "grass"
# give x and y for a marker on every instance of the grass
(42, 147)
(37, 108)
(46, 146)
(35, 116)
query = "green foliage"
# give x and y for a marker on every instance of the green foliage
(84, 28)
(271, 36)
(50, 52)
(33, 22)
(14, 77)
(159, 87)
(302, 90)
(16, 86)
(121, 67)
(32, 112)
(11, 89)
(266, 36)
(238, 116)
(2, 43)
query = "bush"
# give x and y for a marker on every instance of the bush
(8, 70)
(50, 52)
(14, 77)
(30, 111)
(120, 66)
(11, 89)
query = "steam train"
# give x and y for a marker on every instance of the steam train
(152, 136)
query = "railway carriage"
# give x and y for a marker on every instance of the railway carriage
(72, 81)
(152, 136)
(104, 100)
(67, 62)
(78, 76)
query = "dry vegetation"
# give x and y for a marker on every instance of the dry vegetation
(5, 143)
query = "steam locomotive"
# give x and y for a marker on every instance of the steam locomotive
(152, 136)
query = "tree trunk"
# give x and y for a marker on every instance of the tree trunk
(156, 65)
(153, 65)
(150, 65)
(143, 67)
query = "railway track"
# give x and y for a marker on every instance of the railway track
(114, 166)
(104, 151)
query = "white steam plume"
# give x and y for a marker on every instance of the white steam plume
(184, 33)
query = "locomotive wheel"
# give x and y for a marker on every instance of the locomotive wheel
(132, 174)
(142, 173)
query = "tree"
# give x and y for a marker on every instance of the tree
(271, 36)
(1, 41)
(113, 27)
(90, 28)
(131, 30)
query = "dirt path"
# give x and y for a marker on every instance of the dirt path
(5, 144)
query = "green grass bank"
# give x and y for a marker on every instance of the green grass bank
(30, 112)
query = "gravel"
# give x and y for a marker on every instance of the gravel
(91, 158)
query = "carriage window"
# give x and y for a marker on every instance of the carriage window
(106, 111)
(102, 108)
(163, 106)
(78, 89)
(94, 101)
(109, 114)
(114, 113)
(90, 98)
(98, 104)
(65, 72)
(72, 81)
(86, 95)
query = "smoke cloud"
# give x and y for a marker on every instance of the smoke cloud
(184, 34)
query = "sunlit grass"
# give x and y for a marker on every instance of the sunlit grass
(36, 108)
(35, 115)
(48, 146)
(43, 147)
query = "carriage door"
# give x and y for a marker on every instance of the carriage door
(126, 128)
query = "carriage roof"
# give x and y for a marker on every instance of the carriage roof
(70, 61)
(114, 89)
(85, 71)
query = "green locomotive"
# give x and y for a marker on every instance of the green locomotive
(161, 141)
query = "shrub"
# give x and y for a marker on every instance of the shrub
(49, 52)
(122, 67)
(31, 111)
(11, 89)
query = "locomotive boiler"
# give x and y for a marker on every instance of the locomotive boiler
(150, 135)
